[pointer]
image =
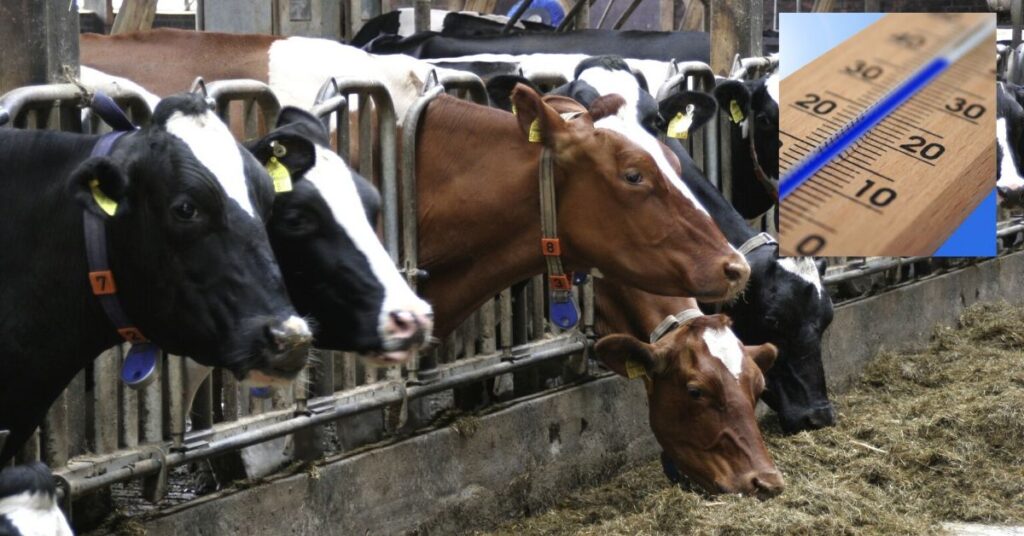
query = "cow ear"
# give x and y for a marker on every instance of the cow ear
(499, 89)
(763, 355)
(628, 356)
(539, 122)
(100, 186)
(286, 156)
(734, 99)
(685, 111)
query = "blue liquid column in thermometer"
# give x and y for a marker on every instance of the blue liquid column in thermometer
(824, 154)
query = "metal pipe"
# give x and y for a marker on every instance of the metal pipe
(87, 479)
(1017, 18)
(626, 14)
(516, 16)
(604, 14)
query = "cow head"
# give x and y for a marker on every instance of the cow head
(194, 268)
(334, 266)
(702, 385)
(1010, 144)
(663, 241)
(790, 309)
(753, 109)
(28, 502)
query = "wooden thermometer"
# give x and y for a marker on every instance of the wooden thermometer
(888, 140)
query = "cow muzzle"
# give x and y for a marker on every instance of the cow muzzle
(287, 347)
(1010, 197)
(403, 332)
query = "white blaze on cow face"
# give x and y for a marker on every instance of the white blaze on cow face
(35, 514)
(212, 144)
(805, 268)
(334, 181)
(723, 344)
(1009, 175)
(626, 121)
(773, 87)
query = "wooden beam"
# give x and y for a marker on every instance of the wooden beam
(824, 6)
(40, 40)
(134, 16)
(667, 15)
(693, 17)
(736, 28)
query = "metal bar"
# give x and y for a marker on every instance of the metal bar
(1017, 18)
(626, 14)
(89, 475)
(604, 14)
(523, 6)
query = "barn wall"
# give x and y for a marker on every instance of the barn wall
(524, 456)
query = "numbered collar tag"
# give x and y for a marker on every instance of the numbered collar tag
(280, 175)
(140, 365)
(635, 370)
(562, 310)
(679, 126)
(106, 204)
(735, 112)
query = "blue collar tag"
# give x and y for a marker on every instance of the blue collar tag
(562, 310)
(139, 367)
(260, 392)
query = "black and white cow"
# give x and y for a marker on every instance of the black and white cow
(334, 266)
(401, 22)
(785, 303)
(664, 46)
(188, 253)
(1009, 144)
(28, 502)
(754, 133)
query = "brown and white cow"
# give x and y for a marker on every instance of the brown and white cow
(702, 385)
(479, 215)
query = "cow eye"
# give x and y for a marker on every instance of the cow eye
(186, 211)
(633, 177)
(694, 392)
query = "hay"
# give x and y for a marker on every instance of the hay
(922, 438)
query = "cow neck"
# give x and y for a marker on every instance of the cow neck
(624, 309)
(101, 277)
(478, 207)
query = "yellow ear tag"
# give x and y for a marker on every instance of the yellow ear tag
(279, 173)
(106, 204)
(514, 111)
(736, 112)
(634, 370)
(679, 126)
(535, 131)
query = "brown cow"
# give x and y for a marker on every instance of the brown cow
(478, 198)
(702, 385)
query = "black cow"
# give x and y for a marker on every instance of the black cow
(1010, 144)
(785, 303)
(664, 46)
(400, 22)
(28, 503)
(754, 108)
(182, 208)
(334, 266)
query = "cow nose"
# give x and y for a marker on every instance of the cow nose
(290, 341)
(820, 417)
(767, 484)
(404, 329)
(737, 272)
(809, 419)
(1011, 196)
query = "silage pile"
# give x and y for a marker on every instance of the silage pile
(922, 438)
